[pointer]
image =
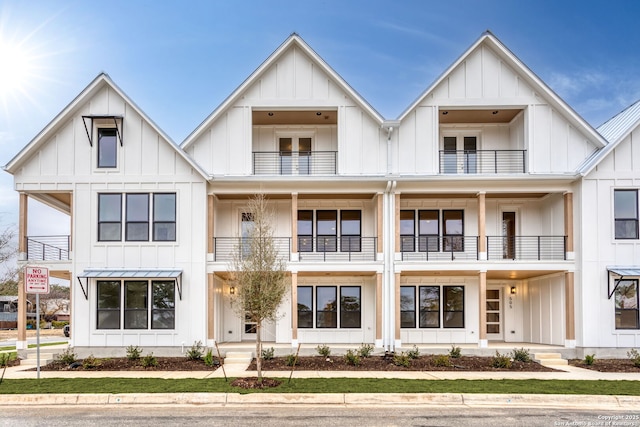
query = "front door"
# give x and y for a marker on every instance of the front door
(295, 155)
(494, 315)
(459, 154)
(508, 235)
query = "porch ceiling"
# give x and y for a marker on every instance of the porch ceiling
(495, 115)
(491, 274)
(285, 117)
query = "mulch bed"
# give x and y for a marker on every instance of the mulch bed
(124, 364)
(607, 365)
(382, 363)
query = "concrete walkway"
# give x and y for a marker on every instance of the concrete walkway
(623, 403)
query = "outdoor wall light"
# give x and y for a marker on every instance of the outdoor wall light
(513, 290)
(318, 113)
(270, 114)
(232, 290)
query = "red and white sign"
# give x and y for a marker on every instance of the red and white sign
(36, 280)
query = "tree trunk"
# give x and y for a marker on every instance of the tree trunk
(259, 351)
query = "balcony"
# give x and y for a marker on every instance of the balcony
(527, 248)
(436, 248)
(47, 248)
(295, 163)
(332, 248)
(482, 161)
(226, 247)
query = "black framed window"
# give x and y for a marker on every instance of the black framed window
(453, 230)
(625, 208)
(305, 307)
(163, 310)
(108, 307)
(326, 307)
(407, 306)
(429, 306)
(429, 230)
(109, 217)
(350, 230)
(453, 307)
(407, 231)
(305, 231)
(107, 148)
(135, 305)
(626, 305)
(164, 217)
(350, 307)
(137, 217)
(326, 227)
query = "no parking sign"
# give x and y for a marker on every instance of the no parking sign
(36, 280)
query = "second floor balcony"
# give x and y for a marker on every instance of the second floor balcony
(47, 248)
(482, 161)
(295, 162)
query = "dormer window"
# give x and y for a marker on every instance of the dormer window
(107, 148)
(106, 131)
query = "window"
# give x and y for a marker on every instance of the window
(407, 231)
(626, 300)
(326, 226)
(407, 307)
(350, 231)
(107, 148)
(350, 307)
(326, 307)
(127, 303)
(625, 207)
(329, 311)
(453, 307)
(164, 217)
(437, 306)
(305, 231)
(452, 233)
(137, 225)
(137, 214)
(108, 305)
(429, 229)
(430, 306)
(109, 217)
(305, 307)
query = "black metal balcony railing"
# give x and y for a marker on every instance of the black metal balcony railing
(541, 248)
(226, 247)
(48, 248)
(295, 163)
(439, 248)
(332, 248)
(482, 161)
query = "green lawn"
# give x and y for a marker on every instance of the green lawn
(318, 385)
(47, 344)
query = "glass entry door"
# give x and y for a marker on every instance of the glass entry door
(295, 155)
(494, 315)
(460, 154)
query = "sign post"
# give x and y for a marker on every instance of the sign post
(36, 281)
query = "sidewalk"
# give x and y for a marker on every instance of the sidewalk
(620, 403)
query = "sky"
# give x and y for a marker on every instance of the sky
(178, 60)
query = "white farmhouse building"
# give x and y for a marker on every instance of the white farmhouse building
(488, 212)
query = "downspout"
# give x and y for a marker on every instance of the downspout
(388, 338)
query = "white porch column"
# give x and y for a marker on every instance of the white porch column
(482, 302)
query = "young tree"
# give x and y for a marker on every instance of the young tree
(258, 272)
(8, 253)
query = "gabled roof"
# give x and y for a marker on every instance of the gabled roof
(615, 130)
(487, 38)
(293, 40)
(91, 90)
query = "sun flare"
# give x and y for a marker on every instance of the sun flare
(16, 66)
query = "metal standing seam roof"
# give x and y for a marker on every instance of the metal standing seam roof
(125, 273)
(619, 125)
(624, 271)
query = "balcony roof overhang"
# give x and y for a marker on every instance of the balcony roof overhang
(621, 272)
(109, 273)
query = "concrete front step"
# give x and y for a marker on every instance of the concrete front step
(550, 359)
(32, 359)
(238, 357)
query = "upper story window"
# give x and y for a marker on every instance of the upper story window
(625, 208)
(428, 230)
(138, 227)
(331, 235)
(107, 148)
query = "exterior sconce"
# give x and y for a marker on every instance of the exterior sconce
(513, 290)
(232, 290)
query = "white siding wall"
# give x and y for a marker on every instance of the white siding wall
(544, 299)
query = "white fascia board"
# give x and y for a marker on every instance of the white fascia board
(593, 161)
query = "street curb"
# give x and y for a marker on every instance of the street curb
(341, 399)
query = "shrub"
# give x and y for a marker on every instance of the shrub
(365, 350)
(67, 356)
(414, 353)
(455, 352)
(268, 353)
(402, 359)
(589, 359)
(196, 351)
(634, 356)
(134, 352)
(149, 361)
(442, 360)
(90, 362)
(521, 355)
(323, 350)
(352, 358)
(292, 359)
(501, 361)
(5, 358)
(58, 324)
(208, 358)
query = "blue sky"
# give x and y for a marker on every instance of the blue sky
(178, 60)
